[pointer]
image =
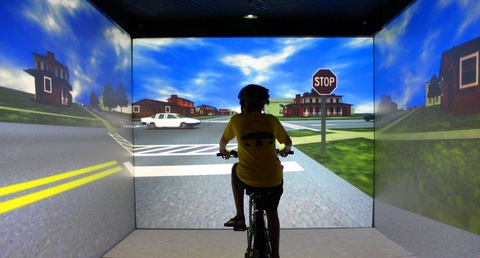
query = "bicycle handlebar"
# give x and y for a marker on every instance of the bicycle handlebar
(234, 153)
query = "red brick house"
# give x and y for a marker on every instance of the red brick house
(226, 112)
(174, 104)
(51, 80)
(459, 72)
(309, 105)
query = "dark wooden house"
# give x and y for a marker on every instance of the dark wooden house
(51, 80)
(309, 105)
(459, 70)
(205, 110)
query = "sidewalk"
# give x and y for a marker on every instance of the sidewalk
(344, 135)
(332, 135)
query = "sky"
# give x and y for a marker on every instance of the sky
(211, 71)
(95, 51)
(408, 51)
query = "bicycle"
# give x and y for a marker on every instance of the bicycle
(258, 242)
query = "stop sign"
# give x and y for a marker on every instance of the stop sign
(324, 81)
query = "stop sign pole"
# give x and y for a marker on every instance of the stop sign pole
(324, 82)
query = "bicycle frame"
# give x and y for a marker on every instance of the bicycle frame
(258, 242)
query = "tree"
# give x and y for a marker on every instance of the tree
(121, 97)
(109, 97)
(94, 100)
(434, 88)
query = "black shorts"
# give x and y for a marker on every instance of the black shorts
(273, 194)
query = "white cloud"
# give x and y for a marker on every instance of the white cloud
(119, 39)
(77, 90)
(471, 14)
(158, 44)
(470, 10)
(160, 90)
(51, 15)
(259, 69)
(360, 42)
(411, 84)
(69, 5)
(388, 42)
(429, 44)
(17, 79)
(122, 44)
(366, 107)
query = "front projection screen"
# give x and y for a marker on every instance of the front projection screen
(179, 181)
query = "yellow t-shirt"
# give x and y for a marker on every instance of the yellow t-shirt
(258, 163)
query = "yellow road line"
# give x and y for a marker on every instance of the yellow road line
(46, 180)
(16, 203)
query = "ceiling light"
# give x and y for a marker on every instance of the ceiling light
(251, 15)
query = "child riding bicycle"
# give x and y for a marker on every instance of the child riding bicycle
(258, 164)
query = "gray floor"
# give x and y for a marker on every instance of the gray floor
(216, 243)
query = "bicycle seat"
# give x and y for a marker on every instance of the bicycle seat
(257, 193)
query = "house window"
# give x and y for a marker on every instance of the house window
(136, 109)
(469, 70)
(47, 84)
(167, 109)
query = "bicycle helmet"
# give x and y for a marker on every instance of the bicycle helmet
(253, 93)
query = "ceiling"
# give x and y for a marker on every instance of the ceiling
(177, 18)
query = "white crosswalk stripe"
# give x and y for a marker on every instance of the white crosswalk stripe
(296, 127)
(197, 170)
(169, 149)
(178, 149)
(184, 150)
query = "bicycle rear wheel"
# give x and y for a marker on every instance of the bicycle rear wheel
(260, 243)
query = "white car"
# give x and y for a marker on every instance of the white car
(160, 120)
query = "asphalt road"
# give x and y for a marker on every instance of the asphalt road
(313, 197)
(30, 153)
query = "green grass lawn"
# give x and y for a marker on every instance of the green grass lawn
(436, 179)
(351, 159)
(35, 113)
(433, 119)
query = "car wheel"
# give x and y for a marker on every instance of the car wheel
(183, 125)
(151, 126)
